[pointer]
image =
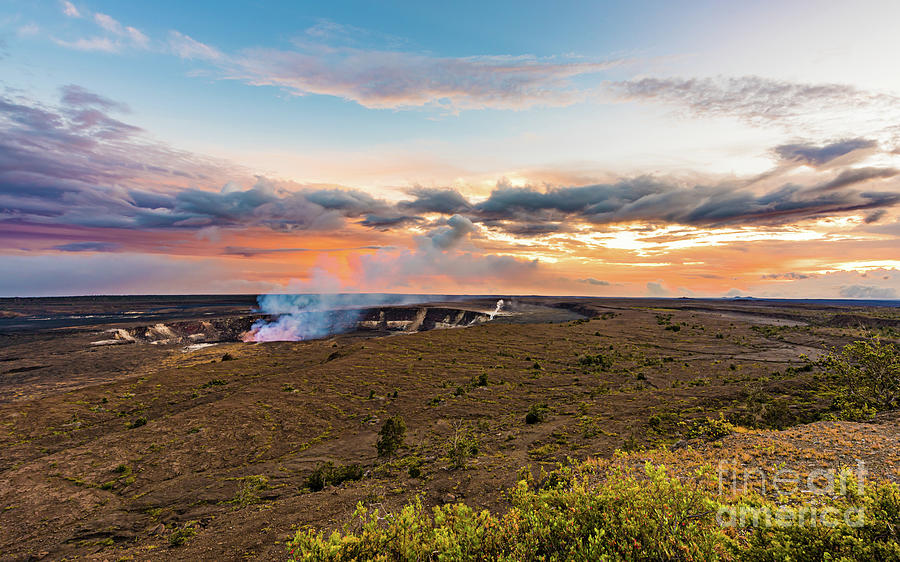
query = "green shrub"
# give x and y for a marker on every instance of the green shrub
(329, 474)
(536, 414)
(867, 376)
(391, 436)
(461, 446)
(137, 422)
(599, 361)
(709, 429)
(876, 538)
(184, 533)
(631, 518)
(626, 516)
(251, 486)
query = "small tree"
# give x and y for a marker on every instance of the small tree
(462, 445)
(390, 438)
(868, 374)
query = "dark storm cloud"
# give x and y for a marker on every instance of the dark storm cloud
(88, 247)
(75, 164)
(858, 175)
(433, 200)
(527, 229)
(351, 202)
(380, 222)
(649, 199)
(875, 216)
(818, 155)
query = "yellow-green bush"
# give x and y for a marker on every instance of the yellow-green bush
(650, 516)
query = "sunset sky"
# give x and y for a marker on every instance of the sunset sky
(588, 148)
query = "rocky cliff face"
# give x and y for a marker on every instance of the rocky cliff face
(232, 329)
(418, 318)
(227, 329)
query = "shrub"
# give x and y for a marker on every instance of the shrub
(329, 474)
(250, 488)
(536, 414)
(867, 374)
(461, 446)
(138, 422)
(228, 357)
(183, 534)
(600, 361)
(626, 516)
(709, 429)
(214, 382)
(633, 518)
(390, 438)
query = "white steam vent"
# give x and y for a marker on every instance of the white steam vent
(497, 308)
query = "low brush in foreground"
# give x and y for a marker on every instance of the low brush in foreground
(625, 516)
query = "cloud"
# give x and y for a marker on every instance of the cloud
(858, 175)
(397, 80)
(874, 216)
(88, 247)
(458, 228)
(434, 200)
(187, 47)
(597, 282)
(382, 222)
(867, 292)
(657, 289)
(70, 10)
(650, 199)
(751, 98)
(250, 252)
(76, 96)
(788, 276)
(78, 164)
(103, 44)
(819, 155)
(117, 36)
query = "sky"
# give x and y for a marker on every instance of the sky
(646, 148)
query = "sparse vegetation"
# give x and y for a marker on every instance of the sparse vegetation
(285, 409)
(183, 534)
(461, 446)
(137, 422)
(329, 474)
(627, 516)
(867, 374)
(391, 436)
(536, 414)
(710, 429)
(250, 488)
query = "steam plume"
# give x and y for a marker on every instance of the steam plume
(497, 309)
